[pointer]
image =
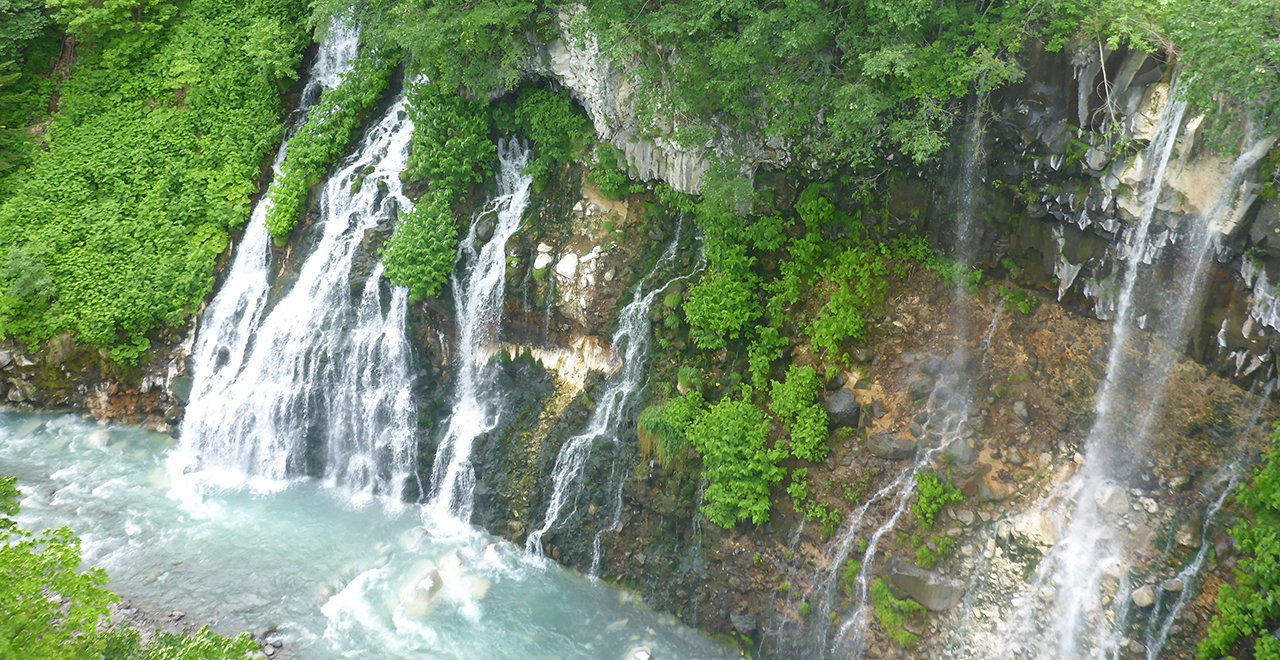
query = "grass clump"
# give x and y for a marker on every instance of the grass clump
(892, 614)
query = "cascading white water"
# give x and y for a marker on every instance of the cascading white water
(631, 347)
(226, 332)
(325, 372)
(479, 288)
(1091, 550)
(948, 417)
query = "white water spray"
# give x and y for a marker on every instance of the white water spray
(324, 373)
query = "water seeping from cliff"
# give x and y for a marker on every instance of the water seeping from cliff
(479, 289)
(945, 431)
(322, 384)
(614, 407)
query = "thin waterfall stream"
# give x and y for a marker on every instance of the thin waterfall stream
(479, 288)
(631, 349)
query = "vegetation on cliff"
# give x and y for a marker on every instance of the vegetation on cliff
(51, 610)
(1249, 610)
(113, 228)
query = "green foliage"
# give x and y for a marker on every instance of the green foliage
(762, 353)
(421, 253)
(795, 393)
(481, 46)
(664, 428)
(51, 610)
(798, 489)
(1250, 608)
(932, 494)
(720, 307)
(857, 282)
(892, 614)
(112, 231)
(793, 403)
(329, 129)
(1024, 301)
(451, 150)
(689, 378)
(927, 557)
(558, 128)
(849, 577)
(732, 438)
(608, 172)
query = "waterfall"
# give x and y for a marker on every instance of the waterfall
(321, 384)
(631, 345)
(479, 288)
(227, 328)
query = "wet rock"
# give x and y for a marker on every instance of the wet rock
(1172, 586)
(935, 592)
(744, 623)
(1187, 534)
(6, 359)
(180, 389)
(842, 409)
(1144, 596)
(1112, 501)
(891, 447)
(959, 452)
(485, 227)
(878, 410)
(933, 366)
(1022, 411)
(920, 388)
(542, 261)
(1265, 231)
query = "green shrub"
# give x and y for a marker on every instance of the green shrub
(892, 614)
(762, 353)
(689, 378)
(1024, 301)
(451, 149)
(329, 129)
(558, 128)
(1249, 610)
(608, 172)
(793, 403)
(932, 494)
(857, 281)
(739, 466)
(927, 557)
(663, 429)
(849, 578)
(421, 253)
(720, 307)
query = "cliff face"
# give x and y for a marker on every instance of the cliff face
(1056, 183)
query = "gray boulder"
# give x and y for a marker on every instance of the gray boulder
(842, 409)
(936, 592)
(180, 389)
(6, 359)
(960, 452)
(1265, 231)
(891, 447)
(744, 623)
(920, 388)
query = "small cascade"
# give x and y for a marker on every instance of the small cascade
(631, 346)
(948, 407)
(479, 288)
(322, 384)
(1158, 629)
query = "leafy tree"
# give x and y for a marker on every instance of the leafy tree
(48, 608)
